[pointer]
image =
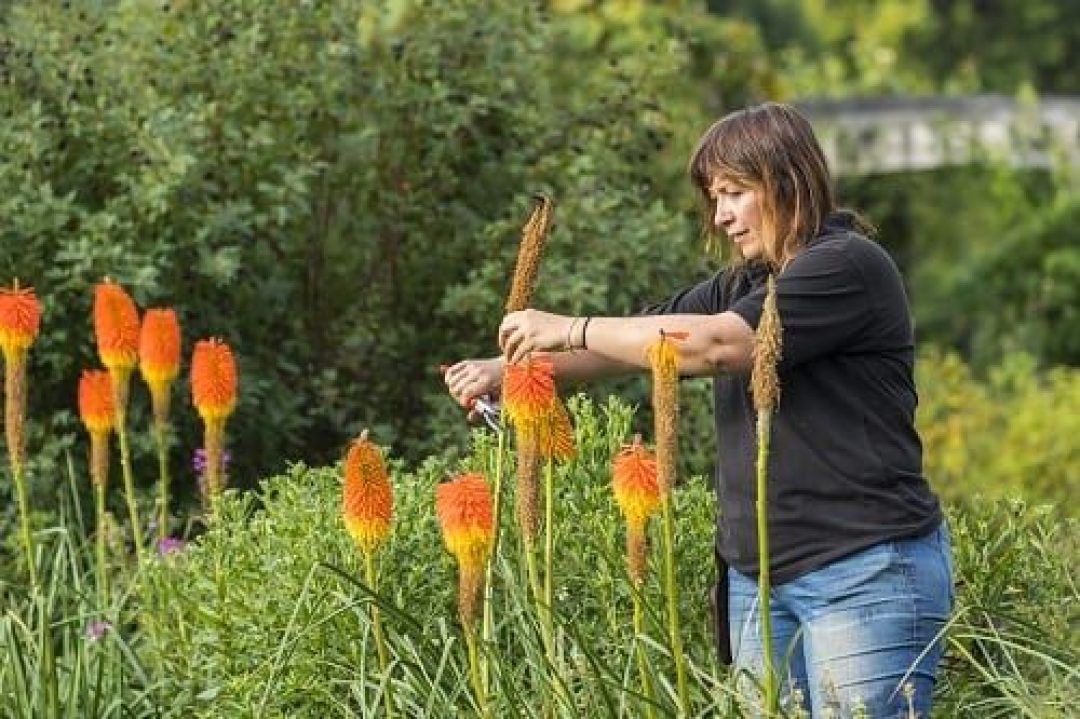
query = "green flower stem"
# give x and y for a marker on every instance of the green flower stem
(99, 545)
(376, 625)
(474, 673)
(49, 671)
(129, 485)
(488, 631)
(19, 478)
(14, 414)
(764, 424)
(672, 591)
(161, 437)
(642, 660)
(547, 605)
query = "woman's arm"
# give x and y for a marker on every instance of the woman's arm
(473, 378)
(714, 343)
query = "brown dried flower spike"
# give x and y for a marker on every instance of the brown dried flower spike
(533, 237)
(764, 380)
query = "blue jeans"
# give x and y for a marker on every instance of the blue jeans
(859, 636)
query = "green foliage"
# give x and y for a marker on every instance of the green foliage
(1014, 434)
(267, 611)
(990, 253)
(1031, 280)
(998, 46)
(264, 613)
(335, 188)
(1013, 638)
(62, 654)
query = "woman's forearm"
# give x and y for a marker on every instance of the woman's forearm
(712, 343)
(583, 365)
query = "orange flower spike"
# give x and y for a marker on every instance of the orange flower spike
(97, 406)
(465, 510)
(159, 356)
(116, 326)
(556, 436)
(464, 507)
(20, 318)
(528, 392)
(635, 483)
(367, 498)
(213, 380)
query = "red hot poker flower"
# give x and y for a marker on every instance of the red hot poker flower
(96, 402)
(20, 318)
(159, 356)
(367, 498)
(635, 484)
(116, 326)
(159, 345)
(637, 492)
(465, 510)
(529, 391)
(213, 380)
(534, 407)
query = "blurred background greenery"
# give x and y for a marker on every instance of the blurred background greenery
(337, 189)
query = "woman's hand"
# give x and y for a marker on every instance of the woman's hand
(471, 378)
(533, 331)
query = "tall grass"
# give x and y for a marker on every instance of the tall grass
(61, 653)
(290, 636)
(267, 613)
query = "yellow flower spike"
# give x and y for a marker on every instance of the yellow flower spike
(367, 498)
(464, 508)
(159, 357)
(637, 492)
(20, 319)
(213, 391)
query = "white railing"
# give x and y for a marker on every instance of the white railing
(871, 136)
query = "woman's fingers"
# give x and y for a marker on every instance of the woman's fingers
(512, 336)
(468, 379)
(458, 378)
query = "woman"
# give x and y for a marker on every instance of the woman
(860, 559)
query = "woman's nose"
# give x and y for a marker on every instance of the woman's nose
(722, 216)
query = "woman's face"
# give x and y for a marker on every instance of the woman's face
(738, 214)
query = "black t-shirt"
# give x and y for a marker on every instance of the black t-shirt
(845, 464)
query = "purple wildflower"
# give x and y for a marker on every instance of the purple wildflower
(198, 462)
(170, 545)
(97, 630)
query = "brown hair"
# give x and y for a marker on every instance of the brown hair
(770, 148)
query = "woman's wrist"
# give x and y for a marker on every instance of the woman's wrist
(568, 344)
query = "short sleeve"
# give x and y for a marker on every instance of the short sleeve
(824, 302)
(704, 298)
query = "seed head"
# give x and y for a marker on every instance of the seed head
(533, 238)
(664, 361)
(764, 379)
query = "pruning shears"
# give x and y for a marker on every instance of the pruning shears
(489, 409)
